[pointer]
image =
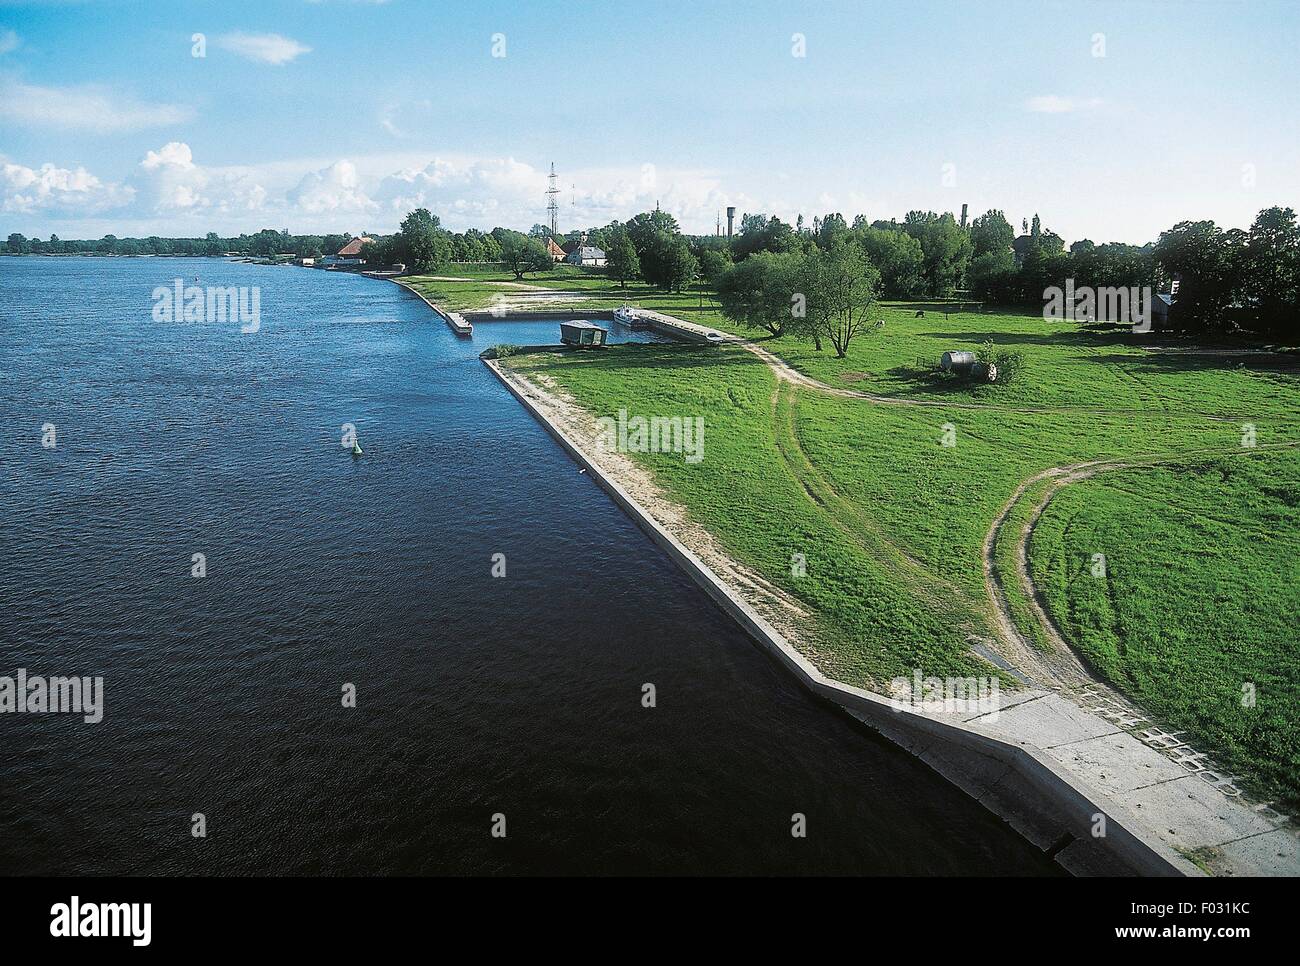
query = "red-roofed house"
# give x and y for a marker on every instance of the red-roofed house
(349, 254)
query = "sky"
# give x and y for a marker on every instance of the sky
(1112, 120)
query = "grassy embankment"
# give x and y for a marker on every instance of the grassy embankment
(1199, 602)
(892, 523)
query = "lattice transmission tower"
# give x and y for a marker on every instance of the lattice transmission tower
(552, 206)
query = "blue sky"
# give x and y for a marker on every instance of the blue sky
(341, 115)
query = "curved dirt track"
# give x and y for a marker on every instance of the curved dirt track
(1058, 665)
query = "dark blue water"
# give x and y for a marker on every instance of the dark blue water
(516, 695)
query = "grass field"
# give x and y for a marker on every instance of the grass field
(1200, 597)
(892, 523)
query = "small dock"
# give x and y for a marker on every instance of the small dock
(457, 322)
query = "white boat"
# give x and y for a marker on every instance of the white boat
(627, 315)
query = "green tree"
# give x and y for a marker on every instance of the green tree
(1206, 261)
(991, 233)
(651, 234)
(680, 265)
(841, 286)
(423, 244)
(523, 253)
(945, 248)
(714, 263)
(897, 256)
(1270, 272)
(621, 260)
(760, 292)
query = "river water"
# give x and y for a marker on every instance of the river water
(475, 695)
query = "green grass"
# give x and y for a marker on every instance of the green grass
(870, 625)
(893, 523)
(1005, 559)
(1201, 596)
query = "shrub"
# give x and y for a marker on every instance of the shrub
(1010, 364)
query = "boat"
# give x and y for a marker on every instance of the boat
(356, 448)
(626, 315)
(581, 333)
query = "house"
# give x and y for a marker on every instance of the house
(349, 254)
(587, 256)
(1162, 302)
(555, 251)
(1160, 306)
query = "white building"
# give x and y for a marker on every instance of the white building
(586, 256)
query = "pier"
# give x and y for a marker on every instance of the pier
(455, 321)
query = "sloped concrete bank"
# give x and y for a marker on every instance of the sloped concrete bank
(455, 321)
(1017, 781)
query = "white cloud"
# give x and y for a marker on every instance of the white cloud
(8, 41)
(172, 192)
(333, 189)
(87, 108)
(264, 48)
(1055, 104)
(57, 190)
(169, 181)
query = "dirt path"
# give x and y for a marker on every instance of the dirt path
(1059, 665)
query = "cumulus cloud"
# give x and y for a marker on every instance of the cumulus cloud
(55, 190)
(263, 48)
(1055, 104)
(87, 108)
(333, 189)
(169, 181)
(170, 191)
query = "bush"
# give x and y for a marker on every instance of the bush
(502, 351)
(1010, 364)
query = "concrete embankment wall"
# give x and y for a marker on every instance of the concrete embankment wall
(1019, 783)
(503, 315)
(660, 323)
(455, 321)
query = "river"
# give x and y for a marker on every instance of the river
(475, 695)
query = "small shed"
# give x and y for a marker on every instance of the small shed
(582, 333)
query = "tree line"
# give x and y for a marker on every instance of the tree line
(1227, 279)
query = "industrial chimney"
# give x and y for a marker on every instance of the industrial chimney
(963, 216)
(731, 219)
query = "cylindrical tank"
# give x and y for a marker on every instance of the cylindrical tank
(956, 361)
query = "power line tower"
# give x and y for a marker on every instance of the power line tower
(552, 206)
